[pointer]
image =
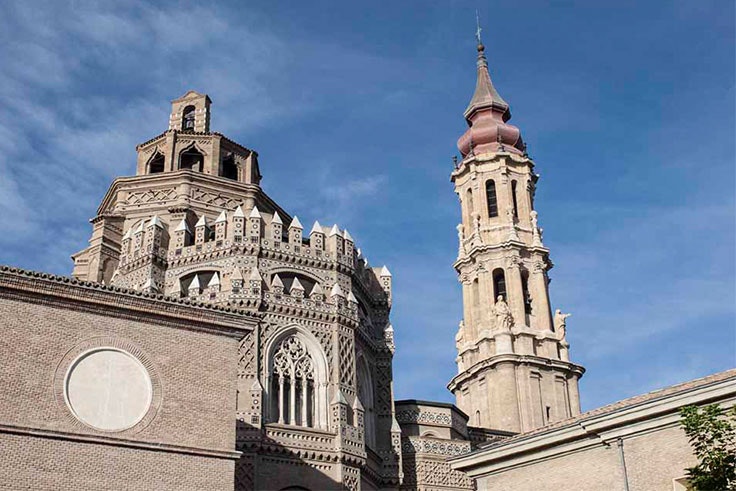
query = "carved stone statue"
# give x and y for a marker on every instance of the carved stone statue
(460, 333)
(510, 215)
(461, 238)
(561, 324)
(512, 226)
(536, 231)
(502, 313)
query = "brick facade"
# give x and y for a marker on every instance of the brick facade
(190, 353)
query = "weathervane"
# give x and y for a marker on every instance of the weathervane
(478, 29)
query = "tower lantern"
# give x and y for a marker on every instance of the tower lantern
(513, 366)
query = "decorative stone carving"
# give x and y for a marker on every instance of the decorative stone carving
(502, 313)
(461, 240)
(460, 334)
(539, 267)
(108, 389)
(150, 196)
(536, 234)
(561, 325)
(513, 235)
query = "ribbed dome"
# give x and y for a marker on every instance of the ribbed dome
(486, 115)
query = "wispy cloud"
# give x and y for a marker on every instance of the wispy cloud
(83, 86)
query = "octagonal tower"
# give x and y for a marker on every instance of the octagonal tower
(514, 372)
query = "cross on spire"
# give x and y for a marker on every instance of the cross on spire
(477, 29)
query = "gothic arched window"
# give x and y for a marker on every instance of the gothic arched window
(491, 198)
(187, 119)
(156, 164)
(191, 159)
(229, 168)
(499, 284)
(297, 383)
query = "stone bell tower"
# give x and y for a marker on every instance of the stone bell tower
(514, 372)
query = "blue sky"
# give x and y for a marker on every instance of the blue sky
(355, 108)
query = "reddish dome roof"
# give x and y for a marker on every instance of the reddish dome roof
(487, 116)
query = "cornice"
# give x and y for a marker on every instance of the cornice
(59, 290)
(119, 442)
(214, 183)
(468, 163)
(508, 245)
(536, 361)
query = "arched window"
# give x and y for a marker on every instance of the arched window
(229, 168)
(287, 278)
(491, 198)
(477, 418)
(513, 197)
(187, 119)
(527, 296)
(203, 280)
(365, 394)
(156, 164)
(191, 159)
(499, 284)
(297, 381)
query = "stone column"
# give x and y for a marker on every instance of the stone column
(467, 307)
(281, 399)
(485, 282)
(304, 401)
(514, 290)
(292, 401)
(540, 298)
(572, 387)
(507, 399)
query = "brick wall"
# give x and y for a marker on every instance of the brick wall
(194, 368)
(59, 465)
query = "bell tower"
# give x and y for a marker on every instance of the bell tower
(514, 372)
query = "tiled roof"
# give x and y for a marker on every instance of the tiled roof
(622, 404)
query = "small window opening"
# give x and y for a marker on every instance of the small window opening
(491, 198)
(526, 295)
(548, 411)
(156, 164)
(191, 159)
(513, 196)
(499, 284)
(229, 169)
(187, 122)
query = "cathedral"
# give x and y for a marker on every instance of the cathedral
(208, 341)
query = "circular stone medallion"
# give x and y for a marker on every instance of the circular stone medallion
(108, 389)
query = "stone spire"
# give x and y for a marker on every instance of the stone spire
(486, 116)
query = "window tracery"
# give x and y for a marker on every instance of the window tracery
(293, 383)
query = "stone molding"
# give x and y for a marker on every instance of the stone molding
(124, 345)
(446, 448)
(68, 292)
(119, 442)
(536, 361)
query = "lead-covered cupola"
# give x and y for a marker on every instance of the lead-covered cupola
(487, 116)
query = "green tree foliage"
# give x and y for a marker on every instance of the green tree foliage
(712, 434)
